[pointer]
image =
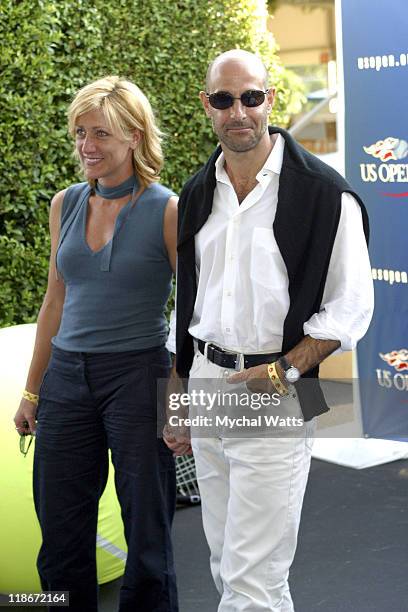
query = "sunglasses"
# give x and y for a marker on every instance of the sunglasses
(24, 447)
(222, 99)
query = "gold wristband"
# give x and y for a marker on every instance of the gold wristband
(31, 397)
(276, 381)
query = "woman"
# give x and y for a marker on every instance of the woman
(100, 341)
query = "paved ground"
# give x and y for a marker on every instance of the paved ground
(353, 545)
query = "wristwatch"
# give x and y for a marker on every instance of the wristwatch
(292, 374)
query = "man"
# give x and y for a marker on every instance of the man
(272, 261)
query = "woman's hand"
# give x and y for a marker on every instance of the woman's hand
(26, 415)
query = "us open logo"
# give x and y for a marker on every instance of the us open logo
(387, 151)
(398, 379)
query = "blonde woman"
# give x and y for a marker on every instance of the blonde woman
(98, 354)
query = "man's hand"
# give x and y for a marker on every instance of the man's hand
(256, 379)
(26, 414)
(304, 356)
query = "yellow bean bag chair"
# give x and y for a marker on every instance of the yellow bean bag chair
(20, 536)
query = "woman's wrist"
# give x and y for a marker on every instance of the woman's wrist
(31, 397)
(33, 384)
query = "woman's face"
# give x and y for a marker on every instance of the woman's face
(103, 156)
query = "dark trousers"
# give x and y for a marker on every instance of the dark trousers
(90, 402)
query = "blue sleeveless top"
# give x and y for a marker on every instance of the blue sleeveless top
(115, 298)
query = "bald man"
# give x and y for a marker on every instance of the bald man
(273, 276)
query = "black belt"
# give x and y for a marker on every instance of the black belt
(229, 360)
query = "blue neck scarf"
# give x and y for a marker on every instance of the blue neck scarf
(119, 191)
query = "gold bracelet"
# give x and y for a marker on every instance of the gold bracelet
(276, 381)
(31, 397)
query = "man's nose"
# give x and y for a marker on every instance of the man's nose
(238, 110)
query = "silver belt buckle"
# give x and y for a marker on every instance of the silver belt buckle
(239, 362)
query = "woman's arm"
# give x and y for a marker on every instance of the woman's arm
(170, 230)
(48, 322)
(176, 438)
(170, 240)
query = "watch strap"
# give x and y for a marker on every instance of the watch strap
(284, 363)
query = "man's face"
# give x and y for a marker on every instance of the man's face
(239, 128)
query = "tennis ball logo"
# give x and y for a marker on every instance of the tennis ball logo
(20, 534)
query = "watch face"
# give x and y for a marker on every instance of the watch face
(292, 375)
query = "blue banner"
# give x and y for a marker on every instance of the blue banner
(375, 56)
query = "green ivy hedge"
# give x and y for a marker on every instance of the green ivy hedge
(49, 49)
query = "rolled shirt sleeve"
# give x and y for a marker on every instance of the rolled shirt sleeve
(348, 298)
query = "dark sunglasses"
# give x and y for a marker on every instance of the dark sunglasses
(222, 99)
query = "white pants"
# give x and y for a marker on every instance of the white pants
(252, 492)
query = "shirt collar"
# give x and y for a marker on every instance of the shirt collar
(275, 157)
(273, 163)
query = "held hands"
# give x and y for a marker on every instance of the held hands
(257, 379)
(26, 415)
(177, 437)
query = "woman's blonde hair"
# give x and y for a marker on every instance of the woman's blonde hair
(126, 109)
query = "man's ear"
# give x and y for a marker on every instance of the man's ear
(270, 98)
(205, 103)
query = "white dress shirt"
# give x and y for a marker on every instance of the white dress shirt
(242, 283)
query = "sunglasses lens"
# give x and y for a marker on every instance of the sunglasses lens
(252, 98)
(221, 100)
